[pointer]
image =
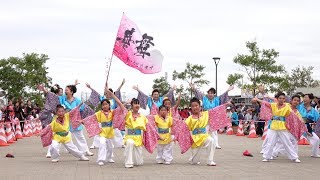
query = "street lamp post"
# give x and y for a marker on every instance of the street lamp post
(216, 62)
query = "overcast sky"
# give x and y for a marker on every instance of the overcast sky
(78, 36)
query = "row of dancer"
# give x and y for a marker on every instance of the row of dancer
(208, 101)
(69, 102)
(134, 127)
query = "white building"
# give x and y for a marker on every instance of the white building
(304, 90)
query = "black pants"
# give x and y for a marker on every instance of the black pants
(22, 125)
(260, 127)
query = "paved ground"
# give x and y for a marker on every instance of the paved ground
(30, 163)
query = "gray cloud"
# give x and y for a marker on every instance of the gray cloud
(79, 35)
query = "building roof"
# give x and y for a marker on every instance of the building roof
(304, 90)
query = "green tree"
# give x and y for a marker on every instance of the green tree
(185, 96)
(234, 79)
(161, 84)
(299, 77)
(19, 76)
(193, 74)
(260, 68)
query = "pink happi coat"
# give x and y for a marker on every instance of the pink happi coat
(154, 109)
(46, 136)
(184, 137)
(92, 125)
(150, 137)
(75, 116)
(295, 126)
(176, 121)
(217, 119)
(265, 112)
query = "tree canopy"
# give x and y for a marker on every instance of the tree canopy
(19, 76)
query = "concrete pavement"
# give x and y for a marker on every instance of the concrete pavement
(30, 163)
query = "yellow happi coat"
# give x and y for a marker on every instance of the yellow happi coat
(278, 120)
(108, 131)
(164, 125)
(135, 124)
(60, 131)
(198, 124)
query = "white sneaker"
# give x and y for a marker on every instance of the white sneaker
(297, 161)
(111, 161)
(261, 152)
(88, 153)
(140, 164)
(92, 147)
(159, 162)
(83, 158)
(317, 156)
(167, 163)
(100, 163)
(212, 164)
(265, 160)
(197, 163)
(54, 160)
(218, 147)
(128, 166)
(48, 156)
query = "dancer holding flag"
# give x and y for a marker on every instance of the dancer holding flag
(138, 132)
(173, 110)
(95, 99)
(105, 117)
(164, 123)
(174, 114)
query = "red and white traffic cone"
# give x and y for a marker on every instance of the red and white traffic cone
(229, 130)
(221, 131)
(30, 129)
(303, 141)
(33, 125)
(18, 132)
(265, 130)
(240, 129)
(9, 134)
(3, 139)
(252, 133)
(25, 129)
(37, 126)
(27, 132)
